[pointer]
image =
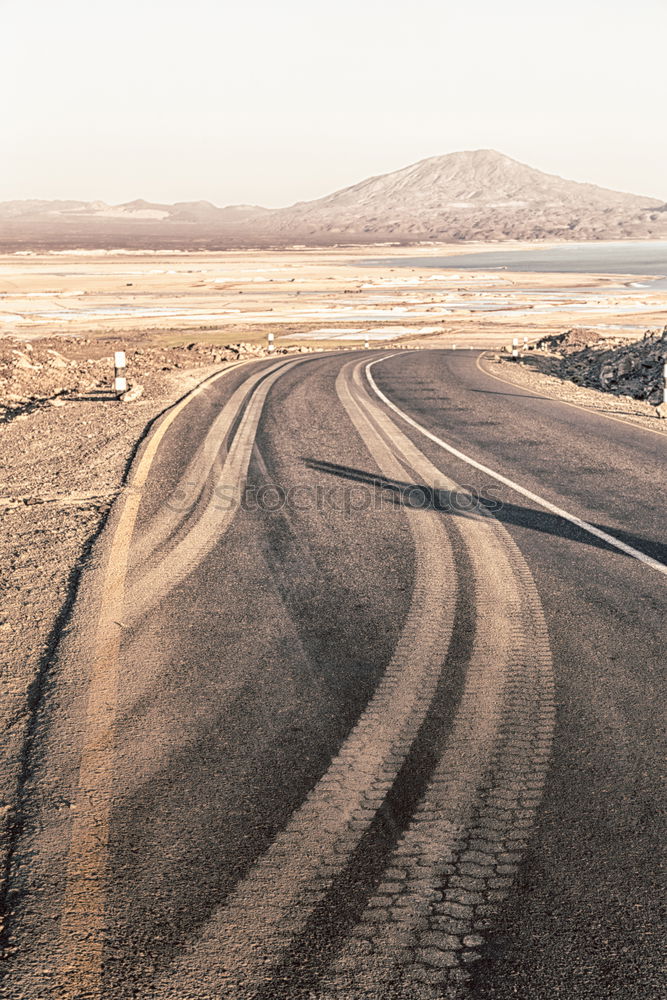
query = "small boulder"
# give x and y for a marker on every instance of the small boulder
(56, 360)
(627, 364)
(23, 361)
(607, 375)
(133, 393)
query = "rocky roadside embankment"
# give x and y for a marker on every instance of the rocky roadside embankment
(66, 446)
(55, 372)
(580, 366)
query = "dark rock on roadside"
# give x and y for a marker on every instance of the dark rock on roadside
(625, 369)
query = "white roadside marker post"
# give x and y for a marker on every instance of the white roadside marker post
(270, 346)
(366, 344)
(119, 373)
(661, 408)
(453, 347)
(525, 343)
(515, 348)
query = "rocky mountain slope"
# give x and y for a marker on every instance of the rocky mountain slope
(478, 195)
(473, 195)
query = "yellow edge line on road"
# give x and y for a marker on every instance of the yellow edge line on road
(565, 402)
(84, 907)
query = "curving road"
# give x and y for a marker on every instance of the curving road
(360, 698)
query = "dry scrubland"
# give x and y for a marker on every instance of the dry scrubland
(67, 444)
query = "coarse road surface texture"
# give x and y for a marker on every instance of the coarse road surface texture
(359, 698)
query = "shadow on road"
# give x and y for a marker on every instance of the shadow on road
(520, 395)
(463, 503)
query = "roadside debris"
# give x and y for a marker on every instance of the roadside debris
(37, 374)
(132, 394)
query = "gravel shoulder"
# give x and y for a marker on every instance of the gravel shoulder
(529, 373)
(62, 467)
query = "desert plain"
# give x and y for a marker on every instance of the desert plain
(311, 297)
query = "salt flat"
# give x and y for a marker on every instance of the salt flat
(324, 296)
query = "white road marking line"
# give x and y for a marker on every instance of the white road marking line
(552, 508)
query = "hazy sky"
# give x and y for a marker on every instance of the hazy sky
(273, 102)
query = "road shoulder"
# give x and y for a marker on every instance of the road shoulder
(624, 408)
(64, 468)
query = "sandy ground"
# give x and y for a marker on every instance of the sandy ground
(332, 296)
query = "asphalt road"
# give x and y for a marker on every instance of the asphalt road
(350, 710)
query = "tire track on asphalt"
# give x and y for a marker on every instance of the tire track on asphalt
(78, 939)
(188, 551)
(192, 483)
(300, 969)
(247, 937)
(424, 925)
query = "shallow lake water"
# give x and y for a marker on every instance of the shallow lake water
(642, 258)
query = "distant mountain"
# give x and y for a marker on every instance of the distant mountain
(138, 210)
(478, 195)
(43, 225)
(35, 208)
(470, 195)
